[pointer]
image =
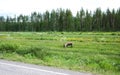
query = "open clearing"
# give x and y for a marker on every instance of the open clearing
(95, 52)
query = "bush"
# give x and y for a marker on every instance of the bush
(106, 65)
(34, 51)
(8, 47)
(23, 50)
(39, 52)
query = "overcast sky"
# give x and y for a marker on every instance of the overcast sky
(12, 7)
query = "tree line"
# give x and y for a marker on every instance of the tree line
(63, 20)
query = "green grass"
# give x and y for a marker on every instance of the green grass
(95, 52)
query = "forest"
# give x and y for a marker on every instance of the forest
(63, 20)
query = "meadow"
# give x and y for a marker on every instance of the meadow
(94, 52)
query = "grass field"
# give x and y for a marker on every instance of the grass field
(95, 52)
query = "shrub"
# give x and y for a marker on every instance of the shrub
(106, 65)
(39, 52)
(23, 50)
(33, 51)
(8, 47)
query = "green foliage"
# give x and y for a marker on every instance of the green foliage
(39, 52)
(8, 47)
(63, 20)
(32, 51)
(96, 52)
(22, 50)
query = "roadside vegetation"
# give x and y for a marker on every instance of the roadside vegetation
(96, 52)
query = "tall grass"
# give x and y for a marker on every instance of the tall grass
(95, 52)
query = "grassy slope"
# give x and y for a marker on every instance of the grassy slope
(95, 52)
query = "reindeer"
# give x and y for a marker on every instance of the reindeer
(68, 44)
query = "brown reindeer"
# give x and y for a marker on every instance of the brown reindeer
(68, 44)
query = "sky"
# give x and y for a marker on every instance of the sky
(26, 7)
